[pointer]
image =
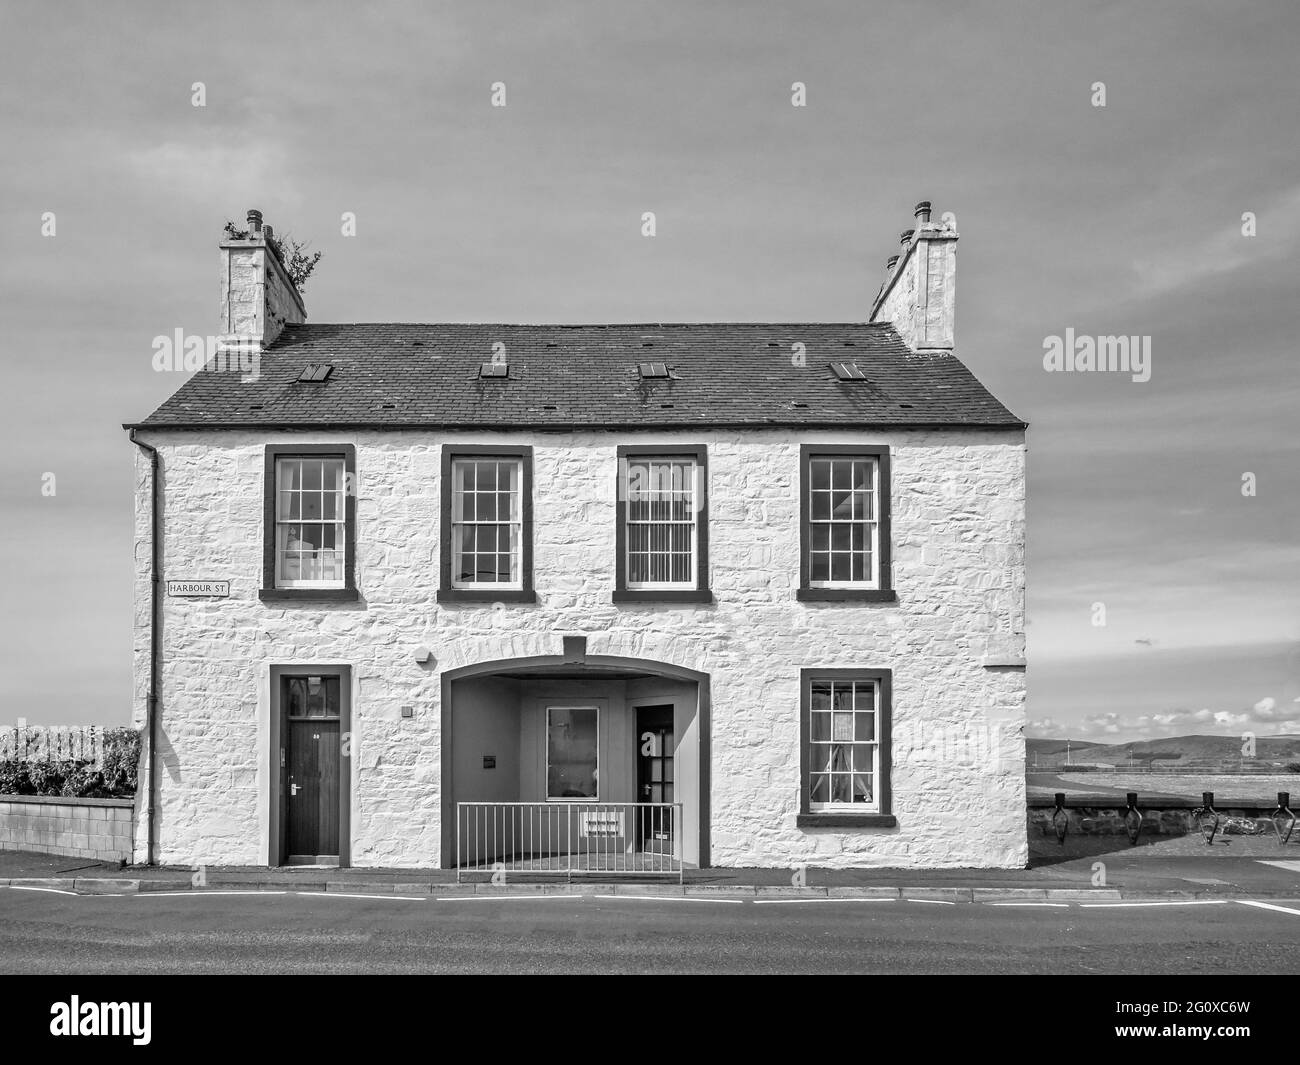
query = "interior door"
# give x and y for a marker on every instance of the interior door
(654, 777)
(311, 775)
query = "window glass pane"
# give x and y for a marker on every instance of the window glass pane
(821, 696)
(821, 506)
(572, 770)
(862, 787)
(841, 568)
(819, 788)
(821, 474)
(839, 787)
(311, 475)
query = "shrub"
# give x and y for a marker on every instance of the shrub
(84, 782)
(14, 779)
(121, 761)
(48, 774)
(1293, 767)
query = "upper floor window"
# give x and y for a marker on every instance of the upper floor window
(662, 535)
(844, 506)
(310, 519)
(487, 524)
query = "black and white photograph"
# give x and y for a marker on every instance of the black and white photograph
(689, 489)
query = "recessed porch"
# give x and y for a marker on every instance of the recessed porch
(554, 766)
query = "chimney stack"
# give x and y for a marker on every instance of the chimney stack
(919, 293)
(257, 298)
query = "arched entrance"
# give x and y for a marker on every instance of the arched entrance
(523, 737)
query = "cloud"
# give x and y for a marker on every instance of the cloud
(1108, 726)
(1225, 251)
(212, 171)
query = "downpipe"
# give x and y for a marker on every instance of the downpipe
(155, 630)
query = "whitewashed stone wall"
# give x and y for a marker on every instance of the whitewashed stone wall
(958, 536)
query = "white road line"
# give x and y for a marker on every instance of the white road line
(1290, 866)
(669, 898)
(1131, 905)
(931, 902)
(51, 890)
(1268, 906)
(539, 897)
(1049, 905)
(778, 902)
(346, 895)
(200, 892)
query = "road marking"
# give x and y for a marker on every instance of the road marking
(51, 890)
(1050, 905)
(931, 902)
(1269, 906)
(539, 897)
(1123, 905)
(198, 892)
(346, 895)
(669, 898)
(777, 902)
(1293, 867)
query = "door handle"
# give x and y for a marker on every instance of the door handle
(293, 789)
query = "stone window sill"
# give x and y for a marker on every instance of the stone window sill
(470, 595)
(308, 595)
(833, 820)
(846, 595)
(649, 595)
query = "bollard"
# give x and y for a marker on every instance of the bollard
(1060, 819)
(1202, 815)
(1133, 819)
(1283, 810)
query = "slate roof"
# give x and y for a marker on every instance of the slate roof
(582, 376)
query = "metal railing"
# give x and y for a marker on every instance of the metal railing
(570, 838)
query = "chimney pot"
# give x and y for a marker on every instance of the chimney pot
(891, 262)
(922, 212)
(254, 221)
(268, 232)
(905, 238)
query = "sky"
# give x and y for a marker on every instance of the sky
(1122, 219)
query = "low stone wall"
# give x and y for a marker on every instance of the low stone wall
(1167, 817)
(99, 829)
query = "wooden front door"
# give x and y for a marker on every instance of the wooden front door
(654, 777)
(311, 774)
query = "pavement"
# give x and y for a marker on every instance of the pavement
(1232, 868)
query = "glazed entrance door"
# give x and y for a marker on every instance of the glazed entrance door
(654, 777)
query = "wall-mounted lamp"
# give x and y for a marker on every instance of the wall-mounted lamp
(422, 655)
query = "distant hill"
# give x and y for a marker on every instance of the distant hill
(1169, 751)
(1051, 748)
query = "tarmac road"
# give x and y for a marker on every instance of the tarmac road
(311, 932)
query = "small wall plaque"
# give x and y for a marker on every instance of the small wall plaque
(193, 589)
(489, 761)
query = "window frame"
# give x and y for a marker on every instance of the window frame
(546, 746)
(881, 590)
(448, 592)
(846, 817)
(625, 593)
(270, 490)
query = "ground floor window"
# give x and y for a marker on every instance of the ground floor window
(845, 732)
(572, 752)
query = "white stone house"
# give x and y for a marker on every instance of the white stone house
(770, 576)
